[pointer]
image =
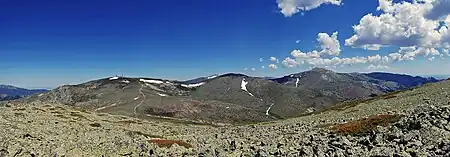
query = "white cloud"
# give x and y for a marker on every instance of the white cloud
(402, 24)
(273, 59)
(431, 58)
(376, 67)
(291, 7)
(261, 59)
(289, 63)
(441, 8)
(245, 69)
(273, 66)
(329, 44)
(253, 69)
(297, 41)
(372, 47)
(263, 67)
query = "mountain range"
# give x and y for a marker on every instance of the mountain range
(8, 92)
(228, 98)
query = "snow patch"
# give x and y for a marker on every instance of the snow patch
(296, 82)
(213, 76)
(104, 107)
(228, 107)
(244, 86)
(192, 85)
(40, 95)
(125, 81)
(136, 98)
(151, 81)
(268, 109)
(114, 78)
(163, 95)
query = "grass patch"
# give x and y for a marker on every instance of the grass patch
(18, 113)
(128, 122)
(134, 133)
(61, 116)
(19, 109)
(56, 112)
(95, 125)
(168, 143)
(38, 109)
(78, 115)
(365, 125)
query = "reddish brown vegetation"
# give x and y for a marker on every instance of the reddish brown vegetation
(169, 143)
(366, 124)
(389, 96)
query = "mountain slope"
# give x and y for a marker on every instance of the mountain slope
(413, 122)
(8, 92)
(228, 98)
(404, 80)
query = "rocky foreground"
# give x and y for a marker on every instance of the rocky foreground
(411, 123)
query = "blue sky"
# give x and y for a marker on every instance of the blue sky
(48, 43)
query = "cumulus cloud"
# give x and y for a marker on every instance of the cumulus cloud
(402, 24)
(376, 67)
(417, 28)
(273, 66)
(273, 59)
(263, 67)
(291, 7)
(261, 59)
(253, 69)
(329, 44)
(297, 41)
(289, 63)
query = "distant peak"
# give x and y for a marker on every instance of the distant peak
(233, 75)
(318, 69)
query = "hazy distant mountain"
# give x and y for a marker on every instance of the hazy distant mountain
(228, 98)
(404, 80)
(8, 92)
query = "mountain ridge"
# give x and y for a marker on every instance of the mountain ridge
(226, 98)
(10, 92)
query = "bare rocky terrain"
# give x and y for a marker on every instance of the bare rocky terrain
(414, 122)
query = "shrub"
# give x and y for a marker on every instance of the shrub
(169, 143)
(365, 125)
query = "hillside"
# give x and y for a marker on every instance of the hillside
(8, 92)
(409, 123)
(229, 98)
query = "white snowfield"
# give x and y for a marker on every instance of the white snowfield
(151, 81)
(136, 98)
(192, 85)
(125, 81)
(296, 82)
(268, 109)
(244, 86)
(114, 78)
